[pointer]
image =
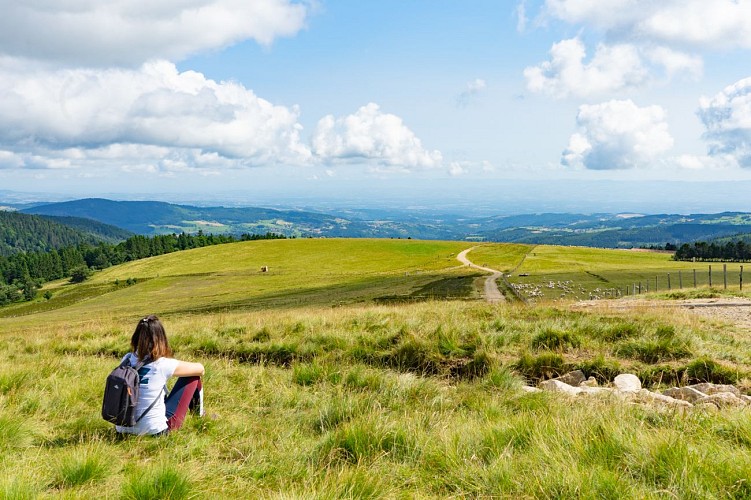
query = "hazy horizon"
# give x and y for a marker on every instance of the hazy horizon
(528, 105)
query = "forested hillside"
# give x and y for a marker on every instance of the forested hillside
(31, 233)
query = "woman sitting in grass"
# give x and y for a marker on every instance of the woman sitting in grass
(149, 345)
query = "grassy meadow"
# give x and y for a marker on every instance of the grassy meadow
(366, 369)
(547, 273)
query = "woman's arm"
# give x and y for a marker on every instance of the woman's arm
(186, 369)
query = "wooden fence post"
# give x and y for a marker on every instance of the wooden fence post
(740, 278)
(656, 287)
(640, 288)
(725, 276)
(710, 276)
(669, 287)
(694, 278)
(680, 280)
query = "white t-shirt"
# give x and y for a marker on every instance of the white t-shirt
(154, 378)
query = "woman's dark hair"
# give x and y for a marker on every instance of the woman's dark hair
(150, 340)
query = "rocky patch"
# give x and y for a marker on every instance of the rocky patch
(628, 387)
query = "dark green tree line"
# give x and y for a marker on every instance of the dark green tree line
(732, 251)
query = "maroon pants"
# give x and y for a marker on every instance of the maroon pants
(184, 396)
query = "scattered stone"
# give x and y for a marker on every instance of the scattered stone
(626, 382)
(710, 389)
(745, 398)
(653, 397)
(685, 393)
(722, 400)
(553, 385)
(595, 391)
(526, 388)
(707, 406)
(573, 378)
(590, 382)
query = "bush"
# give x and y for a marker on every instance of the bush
(80, 274)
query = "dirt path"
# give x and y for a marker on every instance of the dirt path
(492, 293)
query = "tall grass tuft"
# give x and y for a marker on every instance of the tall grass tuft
(363, 441)
(601, 368)
(555, 340)
(14, 433)
(707, 370)
(82, 467)
(16, 489)
(162, 483)
(543, 366)
(655, 350)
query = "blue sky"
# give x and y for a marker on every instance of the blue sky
(274, 100)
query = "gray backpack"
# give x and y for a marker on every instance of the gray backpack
(121, 395)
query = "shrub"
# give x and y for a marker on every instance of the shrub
(553, 339)
(80, 274)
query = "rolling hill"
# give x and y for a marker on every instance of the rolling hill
(151, 217)
(21, 232)
(594, 230)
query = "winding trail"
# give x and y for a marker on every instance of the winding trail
(492, 294)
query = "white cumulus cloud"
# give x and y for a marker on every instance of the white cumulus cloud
(130, 32)
(727, 118)
(612, 68)
(373, 136)
(154, 105)
(695, 23)
(617, 135)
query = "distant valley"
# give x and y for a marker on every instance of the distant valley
(595, 230)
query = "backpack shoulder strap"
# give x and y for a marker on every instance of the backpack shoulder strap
(150, 406)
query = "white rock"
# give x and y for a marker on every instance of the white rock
(707, 406)
(745, 398)
(574, 378)
(590, 382)
(558, 386)
(722, 400)
(626, 382)
(653, 397)
(710, 389)
(526, 388)
(685, 393)
(596, 391)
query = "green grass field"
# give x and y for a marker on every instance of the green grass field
(549, 273)
(321, 390)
